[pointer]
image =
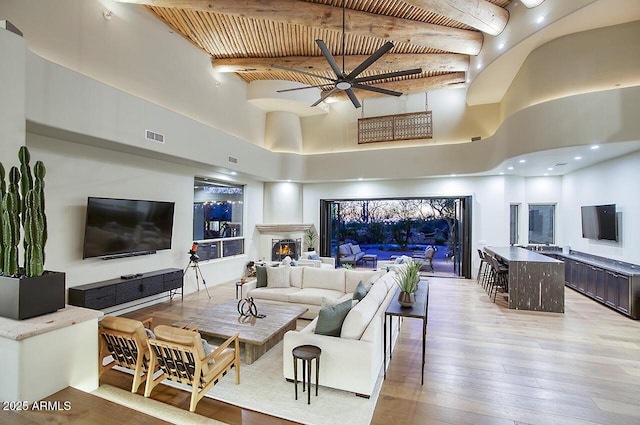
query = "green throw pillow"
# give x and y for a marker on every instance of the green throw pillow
(330, 318)
(360, 291)
(261, 277)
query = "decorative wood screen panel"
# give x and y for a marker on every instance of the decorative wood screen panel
(389, 128)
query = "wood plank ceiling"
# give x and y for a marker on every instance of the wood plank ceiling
(247, 37)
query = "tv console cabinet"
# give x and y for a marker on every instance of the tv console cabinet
(109, 293)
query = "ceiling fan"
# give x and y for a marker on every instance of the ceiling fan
(347, 82)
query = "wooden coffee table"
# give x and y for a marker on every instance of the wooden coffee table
(257, 335)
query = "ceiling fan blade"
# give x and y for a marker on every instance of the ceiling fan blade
(284, 68)
(388, 75)
(324, 96)
(327, 54)
(370, 60)
(353, 98)
(377, 89)
(302, 88)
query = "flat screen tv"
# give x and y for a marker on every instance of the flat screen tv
(599, 222)
(126, 227)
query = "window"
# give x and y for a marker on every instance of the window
(542, 224)
(514, 210)
(217, 218)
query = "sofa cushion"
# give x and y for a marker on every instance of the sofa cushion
(324, 279)
(353, 277)
(360, 291)
(295, 276)
(359, 318)
(314, 256)
(355, 249)
(330, 318)
(278, 277)
(378, 292)
(273, 294)
(261, 276)
(387, 280)
(314, 296)
(345, 250)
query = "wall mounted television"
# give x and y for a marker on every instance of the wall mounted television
(599, 222)
(126, 227)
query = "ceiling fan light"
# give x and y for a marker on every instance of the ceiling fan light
(343, 85)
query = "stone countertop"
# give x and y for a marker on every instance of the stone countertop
(604, 263)
(22, 329)
(517, 254)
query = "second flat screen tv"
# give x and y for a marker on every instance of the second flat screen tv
(599, 222)
(126, 227)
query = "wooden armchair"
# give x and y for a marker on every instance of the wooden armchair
(125, 340)
(179, 353)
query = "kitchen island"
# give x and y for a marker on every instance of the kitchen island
(536, 282)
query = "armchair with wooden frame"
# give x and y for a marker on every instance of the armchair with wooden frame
(179, 353)
(125, 340)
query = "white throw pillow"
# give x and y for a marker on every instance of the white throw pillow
(278, 277)
(295, 276)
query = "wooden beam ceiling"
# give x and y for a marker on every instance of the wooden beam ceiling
(444, 62)
(330, 18)
(247, 37)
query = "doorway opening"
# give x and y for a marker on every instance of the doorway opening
(390, 228)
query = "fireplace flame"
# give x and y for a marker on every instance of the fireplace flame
(284, 250)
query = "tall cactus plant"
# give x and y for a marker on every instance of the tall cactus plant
(26, 210)
(11, 224)
(3, 190)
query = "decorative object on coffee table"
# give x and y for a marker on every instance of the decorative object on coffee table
(27, 291)
(247, 308)
(306, 353)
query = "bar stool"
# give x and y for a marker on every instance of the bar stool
(482, 270)
(500, 278)
(306, 353)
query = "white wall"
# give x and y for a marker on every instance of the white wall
(610, 182)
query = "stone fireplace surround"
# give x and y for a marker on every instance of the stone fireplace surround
(269, 232)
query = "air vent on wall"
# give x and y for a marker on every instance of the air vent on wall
(233, 160)
(153, 136)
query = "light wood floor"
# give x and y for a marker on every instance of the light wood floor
(485, 364)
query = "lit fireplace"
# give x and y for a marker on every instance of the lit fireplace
(285, 247)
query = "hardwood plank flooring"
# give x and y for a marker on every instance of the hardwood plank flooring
(485, 364)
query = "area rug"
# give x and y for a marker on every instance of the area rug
(151, 407)
(263, 389)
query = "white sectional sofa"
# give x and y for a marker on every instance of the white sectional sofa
(307, 286)
(352, 361)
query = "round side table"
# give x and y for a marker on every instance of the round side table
(306, 353)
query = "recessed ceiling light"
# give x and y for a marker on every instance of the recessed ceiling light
(540, 19)
(577, 158)
(510, 167)
(500, 46)
(233, 173)
(478, 66)
(360, 178)
(522, 161)
(546, 174)
(501, 173)
(453, 175)
(594, 147)
(550, 169)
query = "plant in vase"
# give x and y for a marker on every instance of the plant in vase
(310, 237)
(407, 279)
(30, 290)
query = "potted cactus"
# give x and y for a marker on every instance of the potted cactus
(26, 291)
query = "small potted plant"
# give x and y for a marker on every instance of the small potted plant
(407, 279)
(310, 237)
